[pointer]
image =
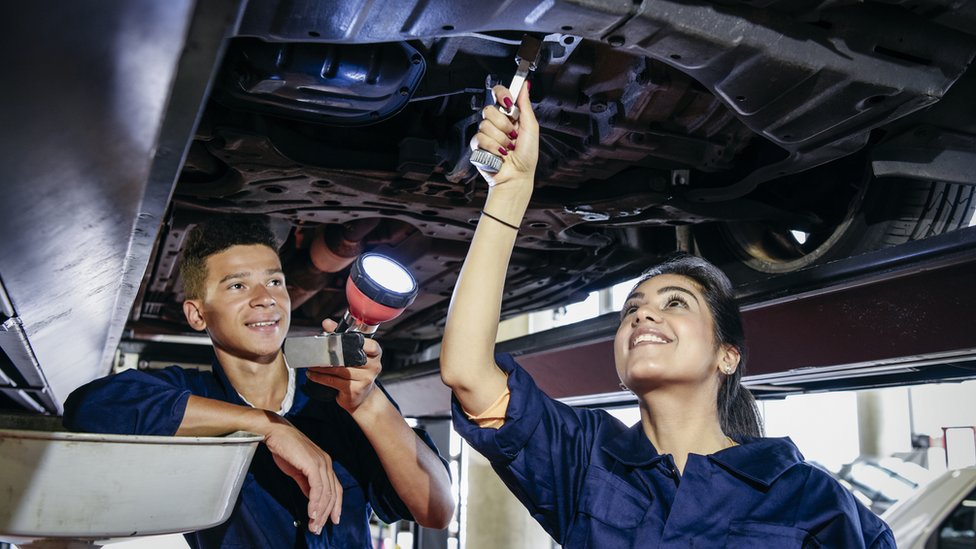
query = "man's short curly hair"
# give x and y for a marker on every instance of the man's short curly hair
(213, 236)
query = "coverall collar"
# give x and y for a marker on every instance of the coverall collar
(759, 460)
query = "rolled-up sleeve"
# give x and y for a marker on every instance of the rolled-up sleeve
(540, 452)
(523, 415)
(130, 403)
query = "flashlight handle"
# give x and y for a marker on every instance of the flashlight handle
(351, 324)
(350, 354)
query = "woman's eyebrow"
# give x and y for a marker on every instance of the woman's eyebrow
(667, 289)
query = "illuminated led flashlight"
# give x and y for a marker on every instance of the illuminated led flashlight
(378, 289)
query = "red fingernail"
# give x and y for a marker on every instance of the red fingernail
(503, 151)
(508, 102)
(513, 135)
(511, 146)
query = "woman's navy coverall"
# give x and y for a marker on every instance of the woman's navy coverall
(592, 482)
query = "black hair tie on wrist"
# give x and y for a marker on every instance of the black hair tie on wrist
(503, 222)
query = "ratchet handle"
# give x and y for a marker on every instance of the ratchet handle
(526, 58)
(490, 162)
(486, 161)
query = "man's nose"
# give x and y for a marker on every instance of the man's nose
(263, 298)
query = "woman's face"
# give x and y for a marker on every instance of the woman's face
(666, 336)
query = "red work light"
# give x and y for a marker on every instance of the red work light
(378, 289)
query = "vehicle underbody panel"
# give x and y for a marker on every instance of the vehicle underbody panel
(666, 124)
(655, 115)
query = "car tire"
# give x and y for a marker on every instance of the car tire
(889, 212)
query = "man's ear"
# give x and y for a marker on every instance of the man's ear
(729, 358)
(193, 311)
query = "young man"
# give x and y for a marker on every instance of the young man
(343, 458)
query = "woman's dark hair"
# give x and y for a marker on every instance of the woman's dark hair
(737, 409)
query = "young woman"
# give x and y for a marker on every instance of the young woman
(694, 472)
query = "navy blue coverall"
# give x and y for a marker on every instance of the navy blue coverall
(592, 482)
(271, 511)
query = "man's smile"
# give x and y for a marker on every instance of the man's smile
(263, 323)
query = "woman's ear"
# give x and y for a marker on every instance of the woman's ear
(194, 314)
(729, 358)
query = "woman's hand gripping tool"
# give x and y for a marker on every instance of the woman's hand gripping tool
(526, 58)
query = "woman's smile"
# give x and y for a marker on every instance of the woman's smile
(648, 336)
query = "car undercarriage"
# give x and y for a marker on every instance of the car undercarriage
(744, 125)
(766, 136)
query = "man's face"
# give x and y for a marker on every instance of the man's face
(245, 307)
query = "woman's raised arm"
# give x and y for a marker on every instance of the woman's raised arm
(467, 352)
